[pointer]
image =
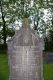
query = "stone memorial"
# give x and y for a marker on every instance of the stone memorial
(25, 54)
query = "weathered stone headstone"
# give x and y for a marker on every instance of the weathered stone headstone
(25, 55)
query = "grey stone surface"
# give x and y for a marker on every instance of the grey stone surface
(25, 55)
(49, 57)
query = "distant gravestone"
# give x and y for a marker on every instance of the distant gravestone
(25, 54)
(50, 57)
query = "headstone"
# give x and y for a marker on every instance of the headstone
(25, 54)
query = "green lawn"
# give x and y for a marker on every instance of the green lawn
(48, 71)
(4, 72)
(3, 67)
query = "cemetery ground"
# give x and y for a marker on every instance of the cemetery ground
(4, 68)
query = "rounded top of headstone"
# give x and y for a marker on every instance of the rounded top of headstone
(25, 36)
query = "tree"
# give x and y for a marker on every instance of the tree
(4, 24)
(17, 9)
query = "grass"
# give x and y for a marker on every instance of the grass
(4, 70)
(3, 67)
(48, 71)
